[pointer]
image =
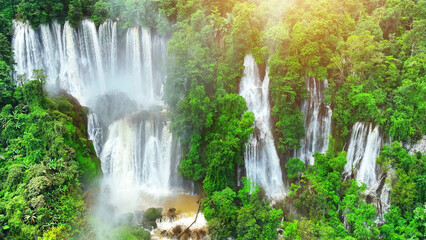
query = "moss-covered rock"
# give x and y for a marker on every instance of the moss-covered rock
(150, 217)
(76, 127)
(152, 214)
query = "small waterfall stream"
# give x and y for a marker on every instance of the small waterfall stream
(261, 158)
(317, 122)
(364, 147)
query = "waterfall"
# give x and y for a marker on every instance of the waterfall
(90, 53)
(108, 37)
(364, 147)
(94, 130)
(317, 122)
(119, 79)
(261, 159)
(137, 155)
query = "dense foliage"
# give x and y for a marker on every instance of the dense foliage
(373, 74)
(407, 215)
(246, 215)
(375, 71)
(330, 208)
(367, 52)
(221, 130)
(371, 52)
(44, 158)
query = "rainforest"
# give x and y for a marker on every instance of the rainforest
(212, 119)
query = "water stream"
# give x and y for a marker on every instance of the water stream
(261, 159)
(317, 122)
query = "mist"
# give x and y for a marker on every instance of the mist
(119, 75)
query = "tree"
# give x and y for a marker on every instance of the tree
(225, 141)
(325, 201)
(220, 211)
(75, 13)
(256, 219)
(242, 216)
(408, 181)
(6, 85)
(294, 166)
(287, 89)
(5, 24)
(100, 12)
(43, 11)
(358, 214)
(6, 54)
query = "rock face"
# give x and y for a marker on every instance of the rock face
(420, 146)
(317, 116)
(379, 195)
(364, 147)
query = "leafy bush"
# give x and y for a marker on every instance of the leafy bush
(245, 215)
(45, 154)
(100, 12)
(75, 13)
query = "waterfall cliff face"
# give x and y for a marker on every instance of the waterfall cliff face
(261, 158)
(317, 122)
(120, 79)
(364, 147)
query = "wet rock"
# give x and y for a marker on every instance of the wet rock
(150, 217)
(113, 106)
(176, 231)
(153, 214)
(185, 236)
(90, 197)
(199, 233)
(420, 146)
(171, 214)
(182, 232)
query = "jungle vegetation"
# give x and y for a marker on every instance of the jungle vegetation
(372, 53)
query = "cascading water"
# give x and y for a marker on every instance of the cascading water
(317, 122)
(109, 39)
(120, 80)
(137, 156)
(261, 158)
(364, 147)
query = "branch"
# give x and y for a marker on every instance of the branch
(196, 216)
